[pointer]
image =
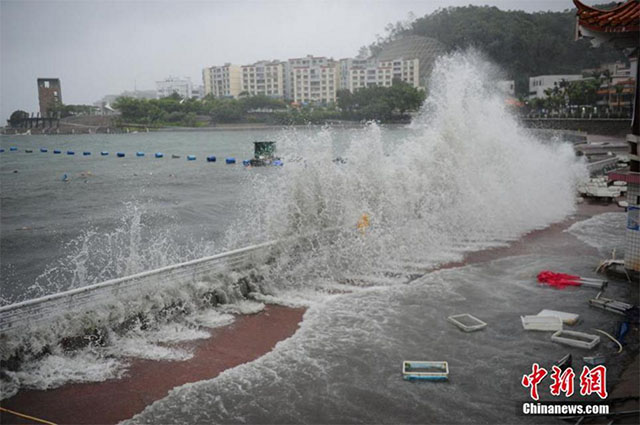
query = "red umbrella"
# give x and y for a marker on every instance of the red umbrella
(562, 280)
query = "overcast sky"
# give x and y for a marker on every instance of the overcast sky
(99, 47)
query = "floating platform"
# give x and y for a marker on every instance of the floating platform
(425, 370)
(467, 322)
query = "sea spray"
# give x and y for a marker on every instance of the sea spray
(135, 245)
(466, 176)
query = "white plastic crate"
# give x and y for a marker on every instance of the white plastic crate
(576, 339)
(541, 323)
(467, 322)
(567, 318)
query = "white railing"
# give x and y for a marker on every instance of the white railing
(26, 313)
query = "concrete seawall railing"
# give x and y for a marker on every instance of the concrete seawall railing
(25, 314)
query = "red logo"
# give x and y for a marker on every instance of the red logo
(592, 381)
(537, 374)
(562, 381)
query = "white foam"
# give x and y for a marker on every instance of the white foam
(212, 319)
(176, 332)
(142, 349)
(242, 307)
(603, 231)
(56, 369)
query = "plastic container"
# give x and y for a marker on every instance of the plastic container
(139, 153)
(13, 148)
(596, 360)
(567, 318)
(425, 370)
(159, 155)
(211, 158)
(467, 322)
(120, 154)
(104, 153)
(71, 153)
(576, 339)
(541, 323)
(56, 152)
(86, 153)
(44, 150)
(191, 157)
(230, 160)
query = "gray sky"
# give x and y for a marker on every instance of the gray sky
(99, 47)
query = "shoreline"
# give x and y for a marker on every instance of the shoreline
(219, 127)
(109, 402)
(247, 339)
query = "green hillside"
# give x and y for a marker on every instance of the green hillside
(523, 44)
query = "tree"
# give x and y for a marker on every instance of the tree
(523, 44)
(17, 117)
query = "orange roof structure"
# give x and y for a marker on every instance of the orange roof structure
(624, 18)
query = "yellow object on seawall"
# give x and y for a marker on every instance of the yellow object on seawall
(363, 223)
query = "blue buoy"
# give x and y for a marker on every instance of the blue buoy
(159, 155)
(13, 148)
(278, 162)
(120, 154)
(65, 177)
(230, 160)
(44, 150)
(57, 151)
(139, 153)
(246, 162)
(104, 153)
(191, 157)
(211, 158)
(86, 153)
(71, 153)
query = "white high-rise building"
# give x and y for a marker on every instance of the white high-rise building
(222, 81)
(313, 80)
(171, 85)
(263, 78)
(344, 67)
(383, 73)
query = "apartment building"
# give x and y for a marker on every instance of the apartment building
(540, 83)
(264, 78)
(383, 73)
(313, 80)
(344, 66)
(222, 81)
(171, 85)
